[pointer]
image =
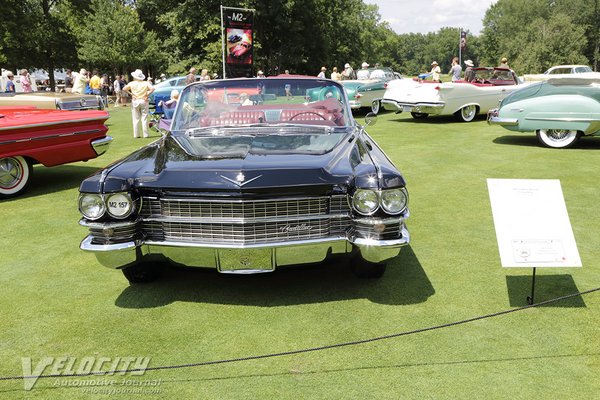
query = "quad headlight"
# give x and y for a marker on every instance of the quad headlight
(392, 201)
(91, 205)
(365, 201)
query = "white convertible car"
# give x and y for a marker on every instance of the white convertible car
(461, 98)
(563, 71)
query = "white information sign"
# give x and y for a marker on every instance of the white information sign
(532, 223)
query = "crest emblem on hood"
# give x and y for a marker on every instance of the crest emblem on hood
(240, 179)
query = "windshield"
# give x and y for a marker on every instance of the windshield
(261, 102)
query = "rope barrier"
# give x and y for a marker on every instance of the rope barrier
(311, 349)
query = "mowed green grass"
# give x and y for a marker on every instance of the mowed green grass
(58, 301)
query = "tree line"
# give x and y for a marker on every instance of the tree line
(171, 36)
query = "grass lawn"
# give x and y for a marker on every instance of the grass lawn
(58, 301)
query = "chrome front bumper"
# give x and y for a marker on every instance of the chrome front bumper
(101, 145)
(244, 259)
(494, 119)
(425, 108)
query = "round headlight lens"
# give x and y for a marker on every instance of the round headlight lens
(393, 201)
(119, 205)
(91, 205)
(365, 201)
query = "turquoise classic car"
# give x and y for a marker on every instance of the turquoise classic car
(559, 111)
(361, 93)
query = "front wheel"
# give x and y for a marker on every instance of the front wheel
(467, 113)
(141, 273)
(557, 138)
(15, 174)
(417, 115)
(375, 107)
(367, 270)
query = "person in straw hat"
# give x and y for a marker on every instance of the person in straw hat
(435, 72)
(469, 72)
(140, 90)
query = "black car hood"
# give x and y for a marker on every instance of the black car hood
(167, 167)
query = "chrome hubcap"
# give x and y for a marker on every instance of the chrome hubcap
(557, 134)
(468, 112)
(10, 172)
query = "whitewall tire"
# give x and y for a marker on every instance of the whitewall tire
(375, 107)
(467, 113)
(557, 138)
(15, 174)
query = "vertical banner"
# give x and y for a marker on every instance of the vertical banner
(238, 28)
(462, 45)
(463, 40)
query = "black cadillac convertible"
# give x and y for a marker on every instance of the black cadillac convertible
(252, 175)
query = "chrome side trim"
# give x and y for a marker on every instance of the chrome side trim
(51, 123)
(564, 119)
(46, 137)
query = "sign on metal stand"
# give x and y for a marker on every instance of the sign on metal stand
(532, 225)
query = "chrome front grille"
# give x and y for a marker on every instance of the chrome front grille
(244, 222)
(239, 210)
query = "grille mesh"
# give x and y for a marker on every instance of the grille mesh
(245, 221)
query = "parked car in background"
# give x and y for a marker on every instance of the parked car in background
(463, 99)
(248, 184)
(561, 71)
(559, 111)
(51, 100)
(162, 91)
(361, 93)
(31, 136)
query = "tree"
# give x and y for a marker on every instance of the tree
(113, 38)
(35, 35)
(535, 34)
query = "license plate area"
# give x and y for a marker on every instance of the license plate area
(245, 261)
(407, 108)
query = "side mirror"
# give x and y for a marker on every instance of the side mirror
(370, 119)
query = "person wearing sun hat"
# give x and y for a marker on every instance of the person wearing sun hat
(348, 72)
(363, 72)
(435, 72)
(140, 90)
(469, 73)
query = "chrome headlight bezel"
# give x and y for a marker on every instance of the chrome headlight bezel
(358, 199)
(386, 201)
(87, 199)
(124, 198)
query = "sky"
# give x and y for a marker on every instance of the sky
(418, 16)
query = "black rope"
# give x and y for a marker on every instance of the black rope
(311, 349)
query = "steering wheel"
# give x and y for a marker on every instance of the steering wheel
(307, 112)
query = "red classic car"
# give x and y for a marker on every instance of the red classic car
(50, 137)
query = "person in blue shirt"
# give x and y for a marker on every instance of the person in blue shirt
(10, 85)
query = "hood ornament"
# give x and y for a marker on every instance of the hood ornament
(240, 179)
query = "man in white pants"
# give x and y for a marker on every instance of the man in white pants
(140, 90)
